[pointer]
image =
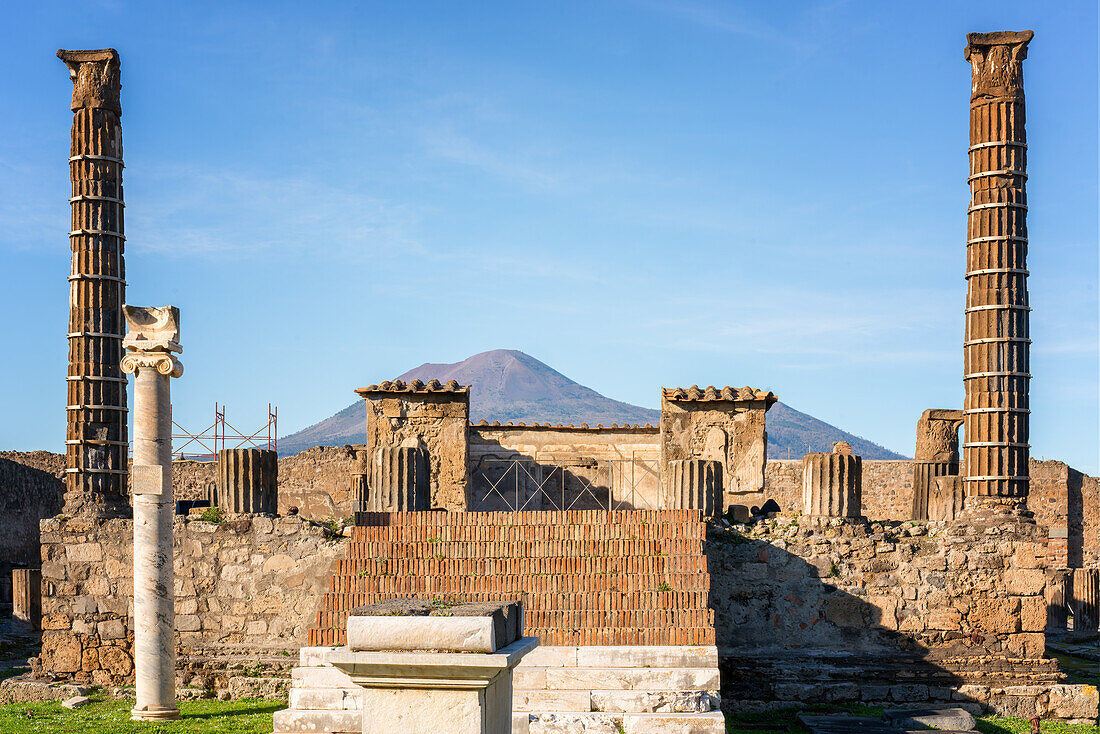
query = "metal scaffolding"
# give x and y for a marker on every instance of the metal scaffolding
(221, 434)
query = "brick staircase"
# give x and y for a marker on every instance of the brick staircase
(618, 601)
(585, 577)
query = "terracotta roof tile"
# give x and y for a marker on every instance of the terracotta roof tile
(414, 386)
(712, 393)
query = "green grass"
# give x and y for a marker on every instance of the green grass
(113, 717)
(999, 725)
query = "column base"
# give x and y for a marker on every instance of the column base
(155, 713)
(93, 504)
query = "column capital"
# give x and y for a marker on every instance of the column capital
(96, 79)
(995, 59)
(151, 338)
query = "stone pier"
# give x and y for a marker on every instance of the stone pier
(96, 436)
(694, 484)
(832, 485)
(26, 596)
(151, 342)
(248, 481)
(399, 480)
(424, 674)
(996, 346)
(936, 455)
(946, 499)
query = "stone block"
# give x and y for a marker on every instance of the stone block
(290, 721)
(551, 656)
(479, 627)
(641, 702)
(650, 656)
(1024, 582)
(951, 718)
(1078, 702)
(550, 700)
(708, 723)
(575, 723)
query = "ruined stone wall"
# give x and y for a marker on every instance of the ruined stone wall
(731, 432)
(887, 487)
(887, 615)
(32, 485)
(246, 593)
(434, 421)
(1064, 499)
(619, 464)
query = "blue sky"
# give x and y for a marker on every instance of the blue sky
(637, 193)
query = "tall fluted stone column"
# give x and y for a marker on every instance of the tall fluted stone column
(399, 480)
(996, 372)
(26, 596)
(694, 484)
(1085, 599)
(152, 340)
(937, 454)
(248, 481)
(832, 485)
(95, 439)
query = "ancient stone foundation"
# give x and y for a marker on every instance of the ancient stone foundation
(26, 587)
(399, 480)
(248, 481)
(832, 485)
(694, 484)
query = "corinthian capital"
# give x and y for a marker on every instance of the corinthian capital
(995, 59)
(96, 80)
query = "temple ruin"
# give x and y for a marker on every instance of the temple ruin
(661, 584)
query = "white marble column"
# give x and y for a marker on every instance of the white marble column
(151, 339)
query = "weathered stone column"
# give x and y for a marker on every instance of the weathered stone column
(95, 438)
(1057, 600)
(1085, 599)
(26, 596)
(360, 480)
(428, 674)
(248, 481)
(995, 350)
(694, 484)
(399, 480)
(152, 339)
(946, 499)
(937, 454)
(832, 485)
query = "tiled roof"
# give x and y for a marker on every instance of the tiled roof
(563, 426)
(713, 393)
(415, 386)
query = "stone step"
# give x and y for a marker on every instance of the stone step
(319, 677)
(611, 723)
(289, 721)
(618, 679)
(327, 699)
(845, 724)
(635, 702)
(622, 656)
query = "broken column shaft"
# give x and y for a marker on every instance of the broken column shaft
(95, 440)
(152, 339)
(995, 350)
